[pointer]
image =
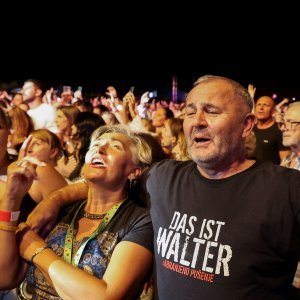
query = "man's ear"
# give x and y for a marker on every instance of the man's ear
(248, 122)
(135, 173)
(38, 92)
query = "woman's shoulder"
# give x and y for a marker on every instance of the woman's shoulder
(132, 215)
(48, 171)
(134, 208)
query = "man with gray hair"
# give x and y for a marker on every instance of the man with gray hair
(225, 226)
(290, 127)
(289, 124)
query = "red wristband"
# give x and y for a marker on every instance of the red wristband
(9, 216)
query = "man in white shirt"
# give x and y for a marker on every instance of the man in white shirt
(43, 115)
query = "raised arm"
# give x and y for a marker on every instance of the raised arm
(43, 218)
(9, 254)
(129, 104)
(41, 188)
(19, 179)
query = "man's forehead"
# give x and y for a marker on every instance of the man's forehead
(28, 84)
(220, 98)
(210, 91)
(266, 99)
(293, 112)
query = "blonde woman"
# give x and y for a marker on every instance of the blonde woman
(172, 139)
(21, 126)
(102, 248)
(45, 146)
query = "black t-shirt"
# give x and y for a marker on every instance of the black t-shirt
(268, 144)
(232, 238)
(130, 223)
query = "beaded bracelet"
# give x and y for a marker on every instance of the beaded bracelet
(37, 251)
(8, 227)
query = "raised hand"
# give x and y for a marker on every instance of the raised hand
(282, 106)
(129, 99)
(21, 174)
(280, 109)
(48, 96)
(112, 92)
(251, 90)
(145, 98)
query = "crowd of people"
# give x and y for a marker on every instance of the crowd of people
(123, 198)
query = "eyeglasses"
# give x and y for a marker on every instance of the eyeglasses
(289, 124)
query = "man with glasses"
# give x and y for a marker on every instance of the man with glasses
(290, 127)
(289, 124)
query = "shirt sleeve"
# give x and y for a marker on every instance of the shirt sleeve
(141, 231)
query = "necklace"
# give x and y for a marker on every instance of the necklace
(93, 216)
(69, 239)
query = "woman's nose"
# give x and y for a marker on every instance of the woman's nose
(102, 147)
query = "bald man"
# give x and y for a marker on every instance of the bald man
(269, 145)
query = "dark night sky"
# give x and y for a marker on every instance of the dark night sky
(98, 55)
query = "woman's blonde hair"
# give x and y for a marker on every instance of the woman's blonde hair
(141, 151)
(21, 124)
(50, 138)
(176, 128)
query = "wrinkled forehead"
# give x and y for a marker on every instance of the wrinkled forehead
(293, 113)
(116, 138)
(217, 92)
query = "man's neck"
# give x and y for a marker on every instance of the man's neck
(263, 124)
(35, 103)
(227, 171)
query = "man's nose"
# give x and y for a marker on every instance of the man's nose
(199, 119)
